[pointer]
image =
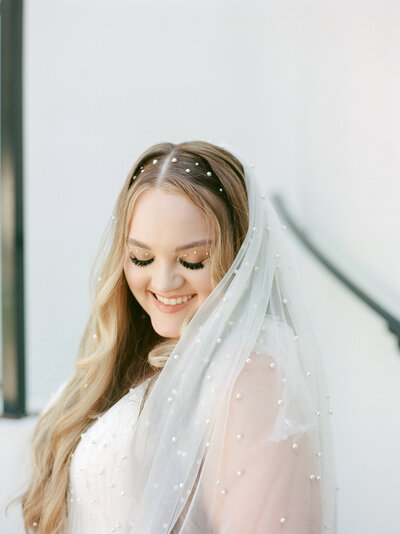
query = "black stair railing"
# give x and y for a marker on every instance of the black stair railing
(392, 322)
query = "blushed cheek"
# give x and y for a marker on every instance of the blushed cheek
(137, 284)
(206, 287)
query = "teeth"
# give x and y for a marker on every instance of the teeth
(172, 302)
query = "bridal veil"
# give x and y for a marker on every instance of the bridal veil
(235, 434)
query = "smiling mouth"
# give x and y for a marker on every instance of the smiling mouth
(174, 301)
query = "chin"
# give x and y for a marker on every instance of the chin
(167, 331)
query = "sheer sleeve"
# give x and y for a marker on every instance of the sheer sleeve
(249, 483)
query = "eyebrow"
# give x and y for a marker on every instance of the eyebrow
(198, 243)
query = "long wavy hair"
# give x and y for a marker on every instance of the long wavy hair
(119, 348)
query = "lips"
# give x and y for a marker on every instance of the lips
(172, 308)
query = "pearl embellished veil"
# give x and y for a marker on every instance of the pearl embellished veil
(235, 435)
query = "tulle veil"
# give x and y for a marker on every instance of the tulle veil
(235, 435)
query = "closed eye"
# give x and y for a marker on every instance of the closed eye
(188, 265)
(141, 263)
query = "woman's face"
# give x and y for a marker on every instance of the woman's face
(167, 263)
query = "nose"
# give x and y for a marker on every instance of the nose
(165, 277)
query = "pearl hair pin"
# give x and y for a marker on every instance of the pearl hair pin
(174, 160)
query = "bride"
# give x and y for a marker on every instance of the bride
(198, 403)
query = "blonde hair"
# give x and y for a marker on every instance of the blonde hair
(119, 348)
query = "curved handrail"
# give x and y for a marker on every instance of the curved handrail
(392, 322)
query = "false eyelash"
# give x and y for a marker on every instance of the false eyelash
(141, 263)
(198, 265)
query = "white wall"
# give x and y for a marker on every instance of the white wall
(349, 183)
(15, 465)
(101, 85)
(307, 90)
(361, 361)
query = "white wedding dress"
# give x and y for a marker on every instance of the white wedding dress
(99, 495)
(282, 478)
